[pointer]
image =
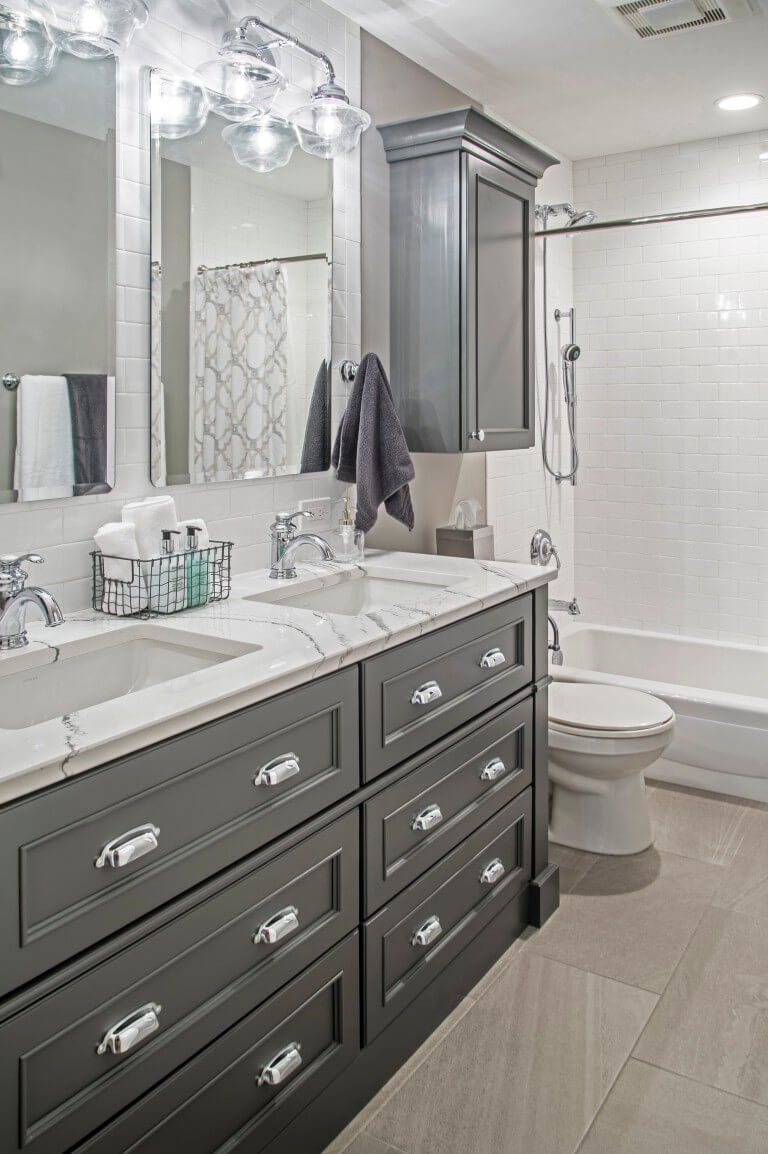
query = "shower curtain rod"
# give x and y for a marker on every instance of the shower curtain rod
(272, 260)
(658, 218)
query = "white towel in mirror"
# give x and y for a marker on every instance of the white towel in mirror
(44, 467)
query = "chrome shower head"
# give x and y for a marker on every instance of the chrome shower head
(545, 211)
(585, 217)
(571, 353)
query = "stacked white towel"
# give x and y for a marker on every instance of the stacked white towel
(203, 538)
(44, 467)
(150, 517)
(125, 590)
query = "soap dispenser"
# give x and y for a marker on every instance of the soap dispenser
(352, 547)
(167, 584)
(196, 568)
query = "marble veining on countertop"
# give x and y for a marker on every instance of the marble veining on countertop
(277, 647)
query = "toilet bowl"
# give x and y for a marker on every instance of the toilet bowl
(602, 739)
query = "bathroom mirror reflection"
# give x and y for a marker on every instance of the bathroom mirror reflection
(57, 324)
(241, 312)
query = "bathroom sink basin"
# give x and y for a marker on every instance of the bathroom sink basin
(35, 689)
(355, 593)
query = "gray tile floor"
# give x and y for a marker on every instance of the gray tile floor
(634, 1022)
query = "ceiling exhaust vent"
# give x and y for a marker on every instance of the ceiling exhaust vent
(650, 19)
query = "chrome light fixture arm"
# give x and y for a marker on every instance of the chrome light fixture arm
(239, 37)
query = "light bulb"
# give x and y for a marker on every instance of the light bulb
(263, 141)
(328, 126)
(89, 20)
(20, 48)
(239, 88)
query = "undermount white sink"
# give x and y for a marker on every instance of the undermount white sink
(353, 593)
(35, 689)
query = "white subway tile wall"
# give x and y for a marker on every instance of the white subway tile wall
(178, 37)
(672, 501)
(521, 496)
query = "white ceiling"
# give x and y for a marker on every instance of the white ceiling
(566, 74)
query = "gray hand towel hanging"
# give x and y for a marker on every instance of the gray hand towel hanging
(370, 449)
(317, 435)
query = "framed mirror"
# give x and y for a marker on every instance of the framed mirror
(57, 290)
(241, 312)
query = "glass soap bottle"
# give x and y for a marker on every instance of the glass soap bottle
(196, 568)
(167, 582)
(352, 540)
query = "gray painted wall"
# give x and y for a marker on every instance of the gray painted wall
(395, 88)
(55, 238)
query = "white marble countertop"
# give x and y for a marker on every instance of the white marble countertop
(280, 646)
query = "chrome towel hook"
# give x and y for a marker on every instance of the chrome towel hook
(348, 371)
(11, 382)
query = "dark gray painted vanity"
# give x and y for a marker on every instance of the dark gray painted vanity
(326, 874)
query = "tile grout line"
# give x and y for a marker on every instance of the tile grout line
(698, 1082)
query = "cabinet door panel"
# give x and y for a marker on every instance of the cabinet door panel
(500, 295)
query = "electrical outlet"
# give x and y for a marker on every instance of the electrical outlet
(321, 510)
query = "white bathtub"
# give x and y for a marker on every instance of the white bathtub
(718, 691)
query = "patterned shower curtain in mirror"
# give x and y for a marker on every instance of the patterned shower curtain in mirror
(240, 374)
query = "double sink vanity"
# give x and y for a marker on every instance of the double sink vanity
(254, 854)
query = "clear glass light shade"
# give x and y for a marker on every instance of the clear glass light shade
(240, 85)
(263, 144)
(329, 125)
(92, 29)
(26, 53)
(177, 107)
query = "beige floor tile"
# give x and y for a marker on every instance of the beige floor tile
(630, 918)
(573, 863)
(698, 825)
(341, 1144)
(500, 966)
(367, 1144)
(712, 1022)
(525, 1070)
(651, 1111)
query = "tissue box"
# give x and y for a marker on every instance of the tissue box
(476, 543)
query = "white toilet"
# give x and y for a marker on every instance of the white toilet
(602, 738)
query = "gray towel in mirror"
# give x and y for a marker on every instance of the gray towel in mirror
(88, 406)
(370, 448)
(316, 453)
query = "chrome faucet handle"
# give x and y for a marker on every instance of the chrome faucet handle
(12, 576)
(289, 518)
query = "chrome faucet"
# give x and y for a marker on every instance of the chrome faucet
(16, 598)
(284, 568)
(283, 531)
(557, 653)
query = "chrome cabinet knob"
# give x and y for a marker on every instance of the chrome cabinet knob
(493, 770)
(427, 819)
(426, 693)
(279, 926)
(492, 659)
(280, 1068)
(477, 435)
(492, 873)
(128, 847)
(278, 770)
(428, 933)
(131, 1030)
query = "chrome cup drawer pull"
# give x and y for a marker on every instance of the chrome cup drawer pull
(492, 873)
(428, 692)
(427, 819)
(428, 933)
(278, 770)
(280, 926)
(281, 1066)
(130, 1030)
(128, 847)
(492, 659)
(493, 770)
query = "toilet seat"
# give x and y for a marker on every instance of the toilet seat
(606, 711)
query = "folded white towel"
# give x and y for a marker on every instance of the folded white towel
(150, 517)
(44, 468)
(125, 590)
(203, 539)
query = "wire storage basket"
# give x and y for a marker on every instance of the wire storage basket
(123, 587)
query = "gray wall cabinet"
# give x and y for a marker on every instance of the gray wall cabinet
(462, 192)
(251, 983)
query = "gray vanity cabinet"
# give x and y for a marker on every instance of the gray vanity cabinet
(462, 192)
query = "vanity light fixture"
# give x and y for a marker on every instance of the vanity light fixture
(329, 125)
(763, 155)
(26, 53)
(178, 107)
(241, 84)
(739, 102)
(92, 29)
(262, 144)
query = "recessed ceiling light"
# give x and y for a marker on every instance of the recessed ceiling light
(739, 102)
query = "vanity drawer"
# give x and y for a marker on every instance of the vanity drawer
(423, 930)
(220, 1100)
(416, 693)
(199, 791)
(410, 825)
(193, 979)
